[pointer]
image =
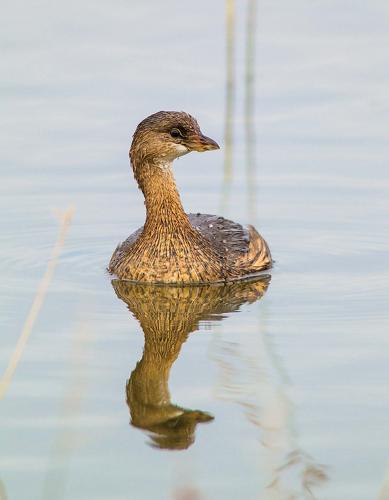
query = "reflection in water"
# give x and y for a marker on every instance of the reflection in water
(167, 316)
(67, 440)
(252, 376)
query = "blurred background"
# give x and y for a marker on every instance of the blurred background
(292, 389)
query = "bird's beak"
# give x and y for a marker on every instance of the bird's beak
(200, 142)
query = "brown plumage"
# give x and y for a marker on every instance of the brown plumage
(172, 246)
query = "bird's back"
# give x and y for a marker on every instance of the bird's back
(240, 248)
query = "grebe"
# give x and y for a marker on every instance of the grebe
(172, 246)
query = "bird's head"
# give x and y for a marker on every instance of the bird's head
(164, 136)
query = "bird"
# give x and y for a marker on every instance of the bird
(173, 247)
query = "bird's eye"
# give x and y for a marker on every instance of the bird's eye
(175, 133)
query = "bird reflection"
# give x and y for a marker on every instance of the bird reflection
(167, 316)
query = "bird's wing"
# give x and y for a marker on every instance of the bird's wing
(243, 246)
(227, 236)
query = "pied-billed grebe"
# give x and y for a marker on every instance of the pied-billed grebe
(172, 246)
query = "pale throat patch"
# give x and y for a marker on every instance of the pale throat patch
(181, 149)
(166, 162)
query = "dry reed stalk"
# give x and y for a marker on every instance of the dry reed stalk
(36, 306)
(230, 100)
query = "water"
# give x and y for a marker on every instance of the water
(268, 397)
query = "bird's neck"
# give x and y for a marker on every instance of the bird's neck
(164, 210)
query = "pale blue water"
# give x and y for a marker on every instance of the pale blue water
(304, 370)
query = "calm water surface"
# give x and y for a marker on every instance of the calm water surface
(274, 390)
